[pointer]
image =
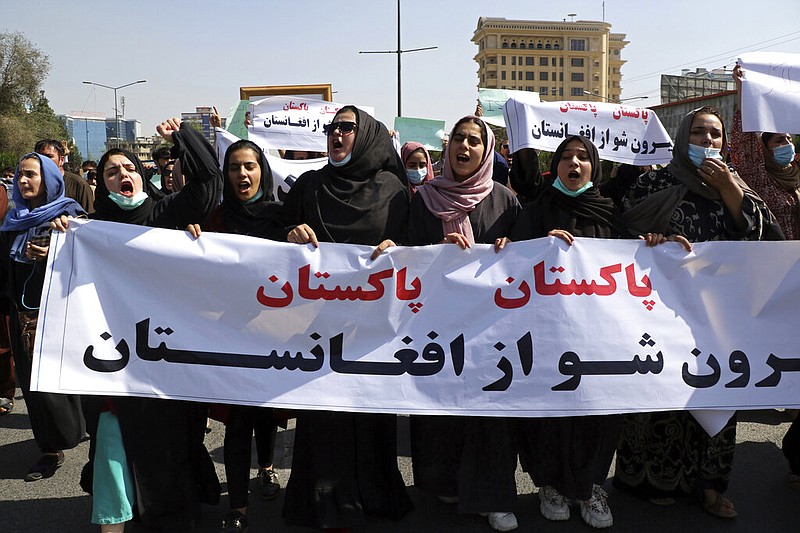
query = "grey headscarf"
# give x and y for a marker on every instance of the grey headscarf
(654, 212)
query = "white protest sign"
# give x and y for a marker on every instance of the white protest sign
(621, 133)
(292, 123)
(771, 92)
(540, 329)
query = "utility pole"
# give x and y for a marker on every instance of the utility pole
(399, 53)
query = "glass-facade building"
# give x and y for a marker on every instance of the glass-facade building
(129, 130)
(92, 133)
(88, 132)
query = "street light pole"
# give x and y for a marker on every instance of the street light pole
(399, 52)
(116, 112)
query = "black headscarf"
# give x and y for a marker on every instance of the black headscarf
(354, 200)
(590, 204)
(250, 219)
(106, 209)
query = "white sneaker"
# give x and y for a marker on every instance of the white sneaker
(501, 521)
(553, 505)
(596, 512)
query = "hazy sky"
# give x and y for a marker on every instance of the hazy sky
(200, 52)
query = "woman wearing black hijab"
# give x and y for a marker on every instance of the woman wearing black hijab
(248, 208)
(345, 465)
(163, 439)
(569, 457)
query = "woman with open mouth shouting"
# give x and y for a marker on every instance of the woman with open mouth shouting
(470, 460)
(345, 464)
(248, 208)
(160, 440)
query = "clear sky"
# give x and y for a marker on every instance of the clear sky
(199, 52)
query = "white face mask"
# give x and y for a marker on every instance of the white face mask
(127, 203)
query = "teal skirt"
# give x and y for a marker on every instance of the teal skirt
(113, 489)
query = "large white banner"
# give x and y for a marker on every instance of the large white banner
(621, 133)
(292, 123)
(284, 171)
(771, 92)
(540, 329)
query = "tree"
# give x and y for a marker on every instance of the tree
(25, 113)
(23, 67)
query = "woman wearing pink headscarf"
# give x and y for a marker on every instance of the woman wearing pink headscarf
(460, 458)
(417, 162)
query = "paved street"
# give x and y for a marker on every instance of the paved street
(758, 489)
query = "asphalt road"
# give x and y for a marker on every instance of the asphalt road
(758, 488)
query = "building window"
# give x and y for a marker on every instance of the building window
(553, 90)
(547, 46)
(502, 60)
(514, 75)
(560, 91)
(502, 74)
(504, 45)
(553, 62)
(529, 76)
(513, 60)
(513, 45)
(529, 88)
(560, 61)
(543, 91)
(560, 76)
(493, 60)
(543, 76)
(529, 61)
(576, 91)
(576, 76)
(578, 45)
(542, 61)
(576, 61)
(556, 46)
(522, 45)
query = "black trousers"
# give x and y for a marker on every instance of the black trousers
(243, 421)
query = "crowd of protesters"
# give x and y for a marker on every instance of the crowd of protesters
(147, 461)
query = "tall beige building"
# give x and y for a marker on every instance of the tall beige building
(559, 60)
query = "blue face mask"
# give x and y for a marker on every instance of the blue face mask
(698, 154)
(128, 203)
(341, 163)
(416, 175)
(558, 184)
(783, 154)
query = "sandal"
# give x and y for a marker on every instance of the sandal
(6, 406)
(45, 467)
(721, 507)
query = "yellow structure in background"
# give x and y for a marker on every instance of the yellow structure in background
(558, 60)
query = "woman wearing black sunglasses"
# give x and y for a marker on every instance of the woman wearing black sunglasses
(344, 464)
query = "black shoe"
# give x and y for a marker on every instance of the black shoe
(235, 522)
(46, 466)
(270, 485)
